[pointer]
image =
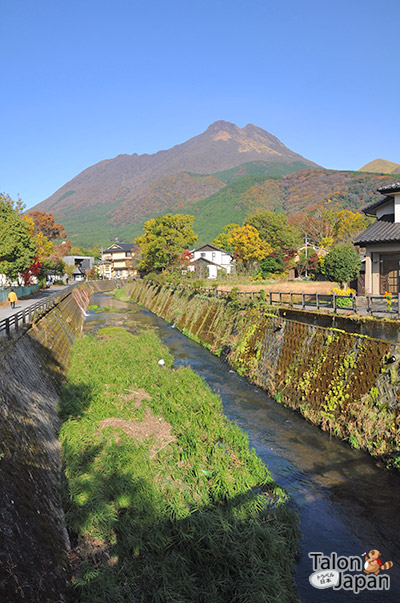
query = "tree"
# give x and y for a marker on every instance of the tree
(46, 225)
(33, 272)
(47, 231)
(317, 226)
(342, 264)
(165, 238)
(17, 246)
(222, 240)
(326, 227)
(247, 245)
(275, 230)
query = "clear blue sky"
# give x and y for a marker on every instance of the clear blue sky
(87, 80)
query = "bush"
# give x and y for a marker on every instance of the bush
(342, 264)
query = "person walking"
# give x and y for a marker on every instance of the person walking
(12, 298)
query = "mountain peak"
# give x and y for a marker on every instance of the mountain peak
(225, 126)
(381, 166)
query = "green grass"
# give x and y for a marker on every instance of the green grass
(199, 519)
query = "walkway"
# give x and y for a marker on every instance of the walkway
(22, 304)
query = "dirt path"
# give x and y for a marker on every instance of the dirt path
(286, 287)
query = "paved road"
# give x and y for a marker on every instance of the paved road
(25, 303)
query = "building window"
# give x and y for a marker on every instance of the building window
(203, 254)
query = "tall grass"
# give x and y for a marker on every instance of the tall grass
(197, 519)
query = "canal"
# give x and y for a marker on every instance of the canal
(347, 501)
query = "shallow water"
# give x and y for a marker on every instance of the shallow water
(347, 501)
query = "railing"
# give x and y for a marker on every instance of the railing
(42, 306)
(313, 301)
(379, 304)
(39, 308)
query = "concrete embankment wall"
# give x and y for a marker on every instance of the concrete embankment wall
(337, 378)
(34, 541)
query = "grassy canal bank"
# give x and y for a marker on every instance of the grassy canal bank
(163, 497)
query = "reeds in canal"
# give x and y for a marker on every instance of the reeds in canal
(163, 497)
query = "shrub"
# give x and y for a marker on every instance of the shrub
(342, 264)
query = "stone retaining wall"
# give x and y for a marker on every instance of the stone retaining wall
(34, 541)
(338, 379)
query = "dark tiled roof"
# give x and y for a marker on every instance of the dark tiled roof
(390, 188)
(209, 247)
(120, 247)
(369, 209)
(381, 231)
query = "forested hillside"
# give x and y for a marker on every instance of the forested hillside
(294, 193)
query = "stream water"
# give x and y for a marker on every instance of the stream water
(348, 502)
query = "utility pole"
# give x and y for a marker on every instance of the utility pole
(306, 243)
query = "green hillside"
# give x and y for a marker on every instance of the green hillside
(259, 167)
(292, 194)
(226, 206)
(88, 227)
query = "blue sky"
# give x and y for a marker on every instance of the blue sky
(87, 80)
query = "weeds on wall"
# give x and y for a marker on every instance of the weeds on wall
(326, 374)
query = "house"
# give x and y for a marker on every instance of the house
(382, 243)
(81, 264)
(209, 259)
(117, 261)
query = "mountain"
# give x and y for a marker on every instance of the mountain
(114, 197)
(381, 166)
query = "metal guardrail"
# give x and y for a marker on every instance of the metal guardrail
(39, 308)
(42, 306)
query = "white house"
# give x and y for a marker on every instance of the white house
(211, 259)
(382, 243)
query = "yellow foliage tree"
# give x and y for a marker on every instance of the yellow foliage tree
(247, 245)
(43, 245)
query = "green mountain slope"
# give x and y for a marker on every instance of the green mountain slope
(293, 194)
(260, 167)
(227, 206)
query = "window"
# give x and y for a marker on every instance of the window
(203, 254)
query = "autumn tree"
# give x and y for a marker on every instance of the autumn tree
(17, 246)
(316, 225)
(222, 240)
(247, 245)
(326, 227)
(275, 230)
(46, 225)
(165, 238)
(347, 224)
